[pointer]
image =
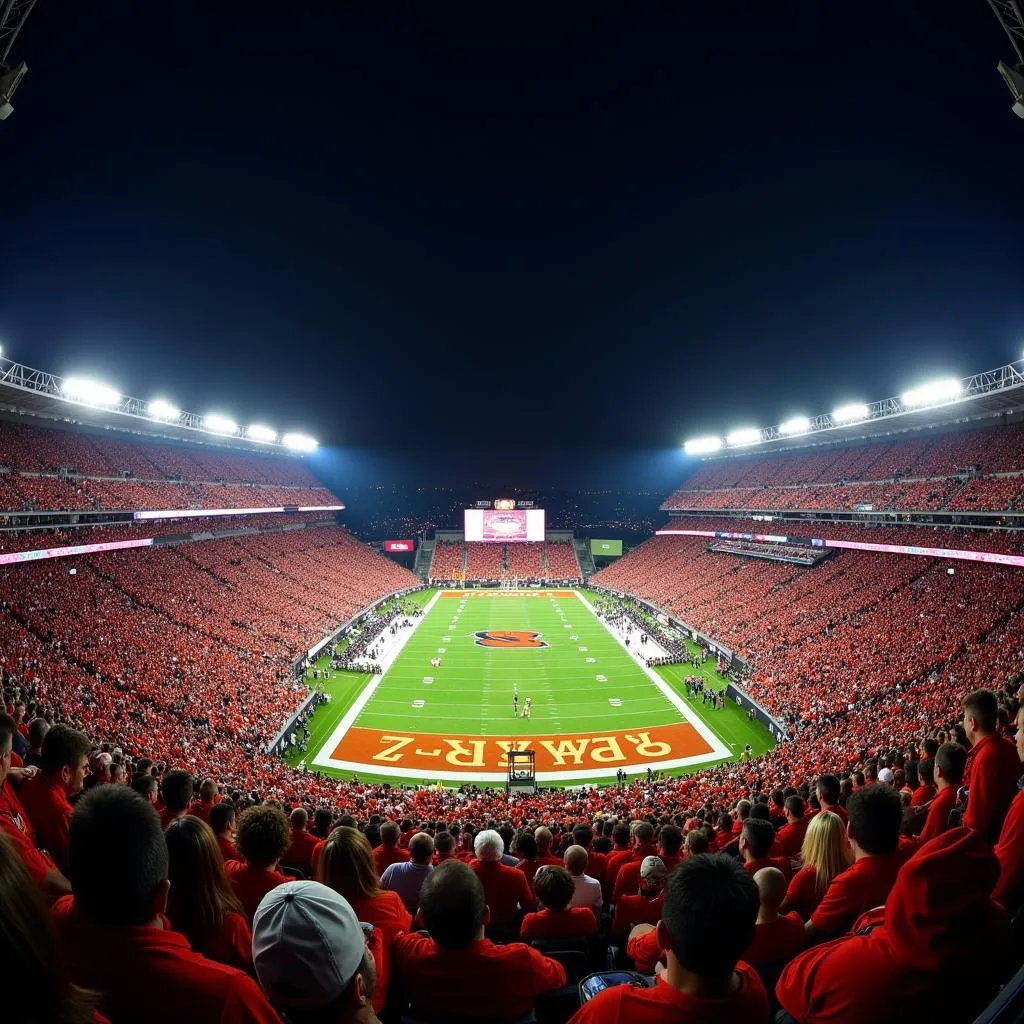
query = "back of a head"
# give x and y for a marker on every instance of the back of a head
(346, 865)
(207, 790)
(621, 835)
(554, 887)
(37, 730)
(421, 848)
(117, 856)
(298, 819)
(487, 845)
(543, 837)
(828, 789)
(62, 746)
(926, 772)
(760, 835)
(710, 908)
(644, 832)
(177, 788)
(743, 809)
(983, 707)
(696, 842)
(30, 953)
(671, 839)
(526, 846)
(583, 835)
(875, 816)
(444, 843)
(771, 884)
(576, 859)
(795, 806)
(390, 834)
(452, 905)
(951, 760)
(200, 893)
(222, 816)
(263, 835)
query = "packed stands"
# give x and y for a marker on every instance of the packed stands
(484, 561)
(562, 561)
(524, 560)
(927, 474)
(447, 560)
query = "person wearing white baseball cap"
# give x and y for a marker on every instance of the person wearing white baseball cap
(885, 776)
(311, 956)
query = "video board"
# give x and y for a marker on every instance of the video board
(503, 526)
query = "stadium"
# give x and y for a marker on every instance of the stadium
(407, 615)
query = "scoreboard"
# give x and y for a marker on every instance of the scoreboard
(504, 520)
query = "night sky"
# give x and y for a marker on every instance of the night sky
(515, 243)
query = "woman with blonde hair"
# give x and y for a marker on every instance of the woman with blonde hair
(826, 853)
(201, 903)
(346, 866)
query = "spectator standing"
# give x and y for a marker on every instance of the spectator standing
(46, 797)
(1010, 849)
(949, 766)
(506, 891)
(992, 766)
(222, 821)
(207, 797)
(176, 788)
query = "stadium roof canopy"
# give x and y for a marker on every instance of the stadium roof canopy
(974, 399)
(27, 391)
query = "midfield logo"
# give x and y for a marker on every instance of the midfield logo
(508, 638)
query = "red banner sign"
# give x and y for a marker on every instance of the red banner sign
(399, 545)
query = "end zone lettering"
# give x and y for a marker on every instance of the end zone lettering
(554, 753)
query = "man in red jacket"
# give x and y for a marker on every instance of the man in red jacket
(64, 762)
(456, 972)
(389, 852)
(1009, 850)
(707, 921)
(874, 833)
(948, 768)
(115, 936)
(506, 889)
(992, 766)
(791, 835)
(935, 951)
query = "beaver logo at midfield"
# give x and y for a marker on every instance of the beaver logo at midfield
(508, 638)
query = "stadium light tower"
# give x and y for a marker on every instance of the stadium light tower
(13, 15)
(90, 392)
(851, 413)
(1010, 15)
(218, 424)
(161, 409)
(743, 436)
(702, 445)
(299, 442)
(257, 432)
(936, 392)
(794, 426)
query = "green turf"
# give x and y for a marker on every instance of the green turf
(472, 689)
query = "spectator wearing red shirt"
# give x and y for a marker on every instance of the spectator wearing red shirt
(262, 836)
(644, 905)
(300, 850)
(222, 821)
(936, 951)
(622, 837)
(791, 835)
(346, 865)
(926, 790)
(147, 787)
(670, 842)
(554, 889)
(389, 852)
(30, 953)
(777, 937)
(458, 974)
(950, 762)
(444, 848)
(874, 831)
(506, 891)
(207, 796)
(627, 870)
(37, 730)
(313, 958)
(992, 766)
(115, 936)
(46, 797)
(756, 841)
(1009, 850)
(177, 788)
(707, 922)
(826, 853)
(583, 835)
(201, 903)
(828, 789)
(526, 847)
(16, 824)
(544, 840)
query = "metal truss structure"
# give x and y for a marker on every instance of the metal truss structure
(987, 394)
(26, 390)
(13, 15)
(1011, 16)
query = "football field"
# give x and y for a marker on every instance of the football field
(593, 706)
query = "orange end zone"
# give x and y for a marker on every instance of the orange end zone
(429, 753)
(507, 593)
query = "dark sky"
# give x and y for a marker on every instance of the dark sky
(510, 241)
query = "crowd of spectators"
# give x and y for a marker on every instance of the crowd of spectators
(491, 562)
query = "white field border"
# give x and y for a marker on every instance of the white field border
(322, 759)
